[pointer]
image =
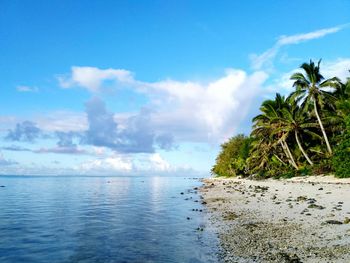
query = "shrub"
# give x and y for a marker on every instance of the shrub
(325, 166)
(231, 160)
(341, 158)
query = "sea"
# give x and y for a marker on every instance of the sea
(104, 219)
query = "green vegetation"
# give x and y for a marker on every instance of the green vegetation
(341, 159)
(307, 132)
(231, 160)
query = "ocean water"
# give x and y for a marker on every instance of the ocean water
(103, 219)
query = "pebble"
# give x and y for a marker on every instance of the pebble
(334, 222)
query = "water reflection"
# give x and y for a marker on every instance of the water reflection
(108, 219)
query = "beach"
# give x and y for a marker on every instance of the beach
(303, 219)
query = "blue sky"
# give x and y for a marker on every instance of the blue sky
(149, 87)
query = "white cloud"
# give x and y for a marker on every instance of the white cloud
(157, 163)
(113, 163)
(298, 38)
(266, 58)
(188, 110)
(139, 163)
(206, 113)
(92, 78)
(339, 68)
(22, 88)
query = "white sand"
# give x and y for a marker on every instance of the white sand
(272, 225)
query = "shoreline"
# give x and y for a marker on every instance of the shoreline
(303, 219)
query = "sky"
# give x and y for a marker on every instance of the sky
(149, 87)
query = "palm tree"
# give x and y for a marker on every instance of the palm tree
(267, 122)
(310, 89)
(293, 120)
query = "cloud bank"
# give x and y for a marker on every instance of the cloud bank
(177, 111)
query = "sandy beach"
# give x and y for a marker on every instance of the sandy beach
(303, 219)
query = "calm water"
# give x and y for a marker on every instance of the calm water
(102, 219)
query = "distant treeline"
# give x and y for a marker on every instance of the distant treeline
(307, 132)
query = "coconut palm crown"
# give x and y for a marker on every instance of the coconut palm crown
(311, 89)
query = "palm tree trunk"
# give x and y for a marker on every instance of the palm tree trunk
(301, 148)
(285, 152)
(279, 159)
(288, 154)
(291, 156)
(322, 128)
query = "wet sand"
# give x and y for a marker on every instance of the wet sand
(303, 219)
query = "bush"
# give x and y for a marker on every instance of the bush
(341, 158)
(231, 161)
(325, 166)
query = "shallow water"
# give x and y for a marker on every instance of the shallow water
(102, 219)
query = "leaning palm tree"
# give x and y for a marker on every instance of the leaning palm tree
(294, 121)
(310, 89)
(267, 122)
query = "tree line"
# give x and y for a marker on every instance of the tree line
(306, 132)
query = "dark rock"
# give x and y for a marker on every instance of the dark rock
(320, 207)
(311, 200)
(321, 188)
(259, 188)
(334, 222)
(284, 257)
(301, 198)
